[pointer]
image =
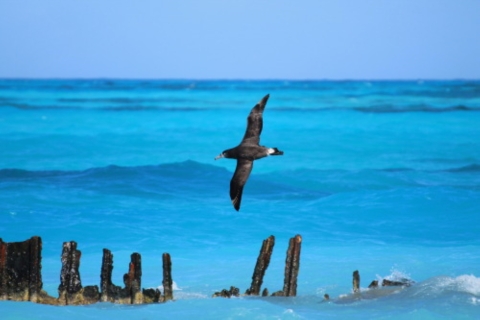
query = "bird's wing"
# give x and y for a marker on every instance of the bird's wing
(255, 122)
(244, 167)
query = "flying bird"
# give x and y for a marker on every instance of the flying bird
(247, 151)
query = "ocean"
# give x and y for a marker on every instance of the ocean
(382, 177)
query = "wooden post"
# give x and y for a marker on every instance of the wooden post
(35, 269)
(234, 291)
(151, 295)
(263, 261)
(292, 266)
(3, 270)
(133, 282)
(106, 286)
(70, 290)
(20, 270)
(70, 283)
(167, 277)
(265, 292)
(356, 281)
(403, 282)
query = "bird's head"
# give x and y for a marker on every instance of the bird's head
(221, 155)
(229, 153)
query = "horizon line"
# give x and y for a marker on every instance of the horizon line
(235, 79)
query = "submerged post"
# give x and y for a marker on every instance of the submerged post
(233, 292)
(263, 261)
(356, 281)
(108, 289)
(35, 269)
(402, 282)
(70, 283)
(167, 277)
(292, 266)
(70, 290)
(3, 270)
(20, 271)
(133, 279)
(373, 284)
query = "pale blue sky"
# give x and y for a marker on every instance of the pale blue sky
(250, 39)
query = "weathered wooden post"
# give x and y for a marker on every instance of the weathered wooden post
(70, 283)
(35, 269)
(234, 291)
(3, 270)
(373, 284)
(261, 266)
(265, 292)
(167, 277)
(108, 290)
(356, 281)
(133, 279)
(20, 271)
(292, 266)
(391, 283)
(151, 295)
(70, 290)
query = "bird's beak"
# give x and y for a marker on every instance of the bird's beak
(219, 156)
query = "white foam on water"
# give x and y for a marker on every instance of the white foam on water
(463, 283)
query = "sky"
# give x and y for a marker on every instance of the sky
(234, 39)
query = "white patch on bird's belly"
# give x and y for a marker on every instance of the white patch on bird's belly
(271, 151)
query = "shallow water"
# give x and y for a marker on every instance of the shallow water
(380, 177)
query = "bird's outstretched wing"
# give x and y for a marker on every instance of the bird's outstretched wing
(255, 122)
(242, 172)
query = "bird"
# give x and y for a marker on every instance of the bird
(247, 151)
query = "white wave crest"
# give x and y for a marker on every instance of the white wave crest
(464, 283)
(174, 287)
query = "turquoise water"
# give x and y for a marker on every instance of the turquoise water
(380, 177)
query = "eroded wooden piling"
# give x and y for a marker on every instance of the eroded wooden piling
(35, 269)
(3, 270)
(70, 283)
(265, 292)
(167, 277)
(261, 266)
(392, 283)
(233, 292)
(292, 266)
(373, 284)
(20, 271)
(133, 279)
(108, 290)
(70, 290)
(16, 270)
(356, 281)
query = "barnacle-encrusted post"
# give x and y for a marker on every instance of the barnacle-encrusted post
(167, 277)
(133, 279)
(356, 281)
(263, 261)
(70, 290)
(20, 271)
(292, 266)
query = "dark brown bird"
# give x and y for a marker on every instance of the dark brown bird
(247, 151)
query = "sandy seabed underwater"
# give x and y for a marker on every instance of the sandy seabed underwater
(381, 177)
